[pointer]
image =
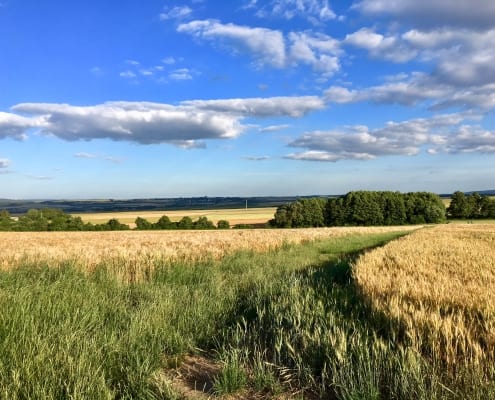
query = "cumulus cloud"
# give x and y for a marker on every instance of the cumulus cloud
(317, 50)
(266, 45)
(389, 48)
(186, 125)
(476, 14)
(145, 123)
(466, 139)
(417, 88)
(441, 133)
(16, 126)
(270, 47)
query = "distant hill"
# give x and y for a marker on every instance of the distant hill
(111, 205)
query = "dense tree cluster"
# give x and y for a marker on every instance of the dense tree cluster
(362, 208)
(471, 206)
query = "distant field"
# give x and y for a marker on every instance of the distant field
(234, 216)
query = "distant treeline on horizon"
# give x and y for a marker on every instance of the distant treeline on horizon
(18, 207)
(358, 208)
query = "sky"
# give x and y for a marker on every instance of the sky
(136, 99)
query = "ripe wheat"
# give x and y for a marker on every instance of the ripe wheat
(437, 285)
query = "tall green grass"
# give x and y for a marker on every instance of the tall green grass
(287, 320)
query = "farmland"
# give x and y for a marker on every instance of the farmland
(234, 216)
(339, 313)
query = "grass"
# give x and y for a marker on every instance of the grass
(295, 319)
(234, 216)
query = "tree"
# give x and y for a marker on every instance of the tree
(335, 214)
(185, 223)
(164, 223)
(115, 225)
(459, 206)
(143, 224)
(6, 221)
(203, 223)
(223, 224)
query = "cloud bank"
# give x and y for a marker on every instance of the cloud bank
(186, 125)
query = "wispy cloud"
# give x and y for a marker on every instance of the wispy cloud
(93, 156)
(256, 158)
(39, 177)
(274, 128)
(315, 11)
(179, 13)
(4, 163)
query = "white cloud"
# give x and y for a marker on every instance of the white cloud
(145, 123)
(270, 47)
(389, 48)
(313, 10)
(169, 60)
(467, 139)
(266, 45)
(261, 107)
(181, 74)
(176, 13)
(256, 158)
(186, 125)
(4, 163)
(127, 74)
(442, 133)
(317, 50)
(476, 14)
(16, 126)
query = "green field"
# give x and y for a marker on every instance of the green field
(234, 216)
(288, 323)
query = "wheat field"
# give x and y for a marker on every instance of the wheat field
(437, 284)
(131, 254)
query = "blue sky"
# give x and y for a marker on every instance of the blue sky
(126, 99)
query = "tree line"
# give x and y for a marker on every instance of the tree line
(362, 208)
(50, 219)
(471, 206)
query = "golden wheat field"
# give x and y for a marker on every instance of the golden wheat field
(438, 283)
(134, 253)
(234, 215)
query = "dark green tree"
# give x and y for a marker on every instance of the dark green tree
(203, 223)
(143, 224)
(459, 206)
(164, 223)
(223, 224)
(185, 223)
